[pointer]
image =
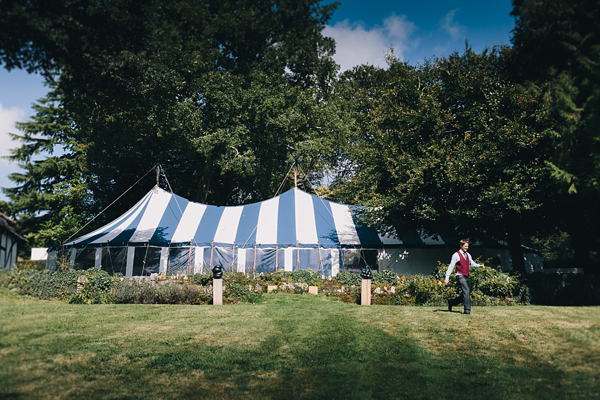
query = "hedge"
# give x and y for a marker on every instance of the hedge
(489, 287)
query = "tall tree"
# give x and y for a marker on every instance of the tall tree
(223, 94)
(556, 45)
(450, 146)
(52, 200)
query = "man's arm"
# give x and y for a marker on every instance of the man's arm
(474, 264)
(453, 262)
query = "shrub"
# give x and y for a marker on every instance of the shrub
(124, 292)
(387, 298)
(5, 277)
(142, 292)
(347, 294)
(492, 282)
(236, 278)
(418, 289)
(563, 290)
(276, 278)
(307, 276)
(236, 293)
(177, 294)
(96, 288)
(203, 279)
(45, 284)
(489, 287)
(385, 276)
(348, 278)
(38, 265)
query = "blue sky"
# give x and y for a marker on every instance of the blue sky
(364, 32)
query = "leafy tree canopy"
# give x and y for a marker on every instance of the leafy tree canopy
(449, 146)
(221, 93)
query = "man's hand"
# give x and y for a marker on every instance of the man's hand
(446, 281)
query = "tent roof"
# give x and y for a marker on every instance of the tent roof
(294, 218)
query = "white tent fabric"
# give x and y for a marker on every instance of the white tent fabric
(294, 218)
(166, 233)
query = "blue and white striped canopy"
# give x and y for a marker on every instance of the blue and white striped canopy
(295, 218)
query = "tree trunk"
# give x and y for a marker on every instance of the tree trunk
(516, 250)
(579, 242)
(579, 228)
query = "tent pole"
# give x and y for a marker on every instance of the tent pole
(190, 257)
(320, 261)
(254, 259)
(295, 171)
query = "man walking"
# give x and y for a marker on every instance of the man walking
(463, 261)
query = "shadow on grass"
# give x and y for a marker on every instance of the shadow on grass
(309, 348)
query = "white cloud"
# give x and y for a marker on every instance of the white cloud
(356, 45)
(8, 118)
(453, 28)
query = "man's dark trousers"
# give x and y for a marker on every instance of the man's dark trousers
(465, 298)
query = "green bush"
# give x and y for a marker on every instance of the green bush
(96, 288)
(418, 289)
(45, 284)
(143, 292)
(203, 279)
(384, 298)
(384, 277)
(347, 294)
(563, 290)
(124, 292)
(5, 277)
(348, 278)
(236, 293)
(307, 276)
(38, 265)
(493, 283)
(177, 294)
(489, 287)
(237, 278)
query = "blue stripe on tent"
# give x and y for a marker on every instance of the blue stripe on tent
(326, 233)
(127, 233)
(286, 219)
(246, 233)
(142, 205)
(208, 225)
(169, 221)
(367, 235)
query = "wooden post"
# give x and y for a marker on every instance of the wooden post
(217, 285)
(365, 292)
(217, 292)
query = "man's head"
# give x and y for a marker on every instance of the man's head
(464, 245)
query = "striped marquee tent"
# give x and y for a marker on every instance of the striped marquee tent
(166, 233)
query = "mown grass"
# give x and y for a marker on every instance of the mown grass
(296, 346)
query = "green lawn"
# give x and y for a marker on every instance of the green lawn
(294, 347)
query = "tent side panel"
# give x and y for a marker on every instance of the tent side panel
(198, 260)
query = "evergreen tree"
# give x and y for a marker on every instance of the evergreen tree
(556, 45)
(51, 200)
